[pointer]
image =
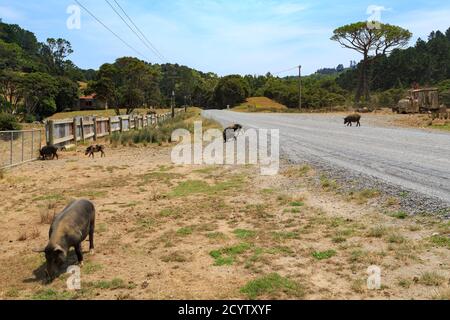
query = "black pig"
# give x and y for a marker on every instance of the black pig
(69, 229)
(49, 151)
(235, 129)
(353, 118)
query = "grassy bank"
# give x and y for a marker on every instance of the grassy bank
(163, 133)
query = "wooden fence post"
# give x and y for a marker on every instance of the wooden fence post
(51, 137)
(74, 128)
(121, 124)
(110, 121)
(95, 128)
(82, 129)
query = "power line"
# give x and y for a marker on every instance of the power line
(284, 71)
(143, 35)
(128, 25)
(107, 28)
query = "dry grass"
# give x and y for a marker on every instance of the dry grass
(261, 104)
(171, 232)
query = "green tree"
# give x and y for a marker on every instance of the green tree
(128, 83)
(230, 91)
(371, 43)
(68, 93)
(10, 82)
(54, 54)
(39, 91)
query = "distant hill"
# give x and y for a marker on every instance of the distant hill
(260, 104)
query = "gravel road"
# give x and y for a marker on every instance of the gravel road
(392, 158)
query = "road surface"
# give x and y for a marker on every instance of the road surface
(413, 159)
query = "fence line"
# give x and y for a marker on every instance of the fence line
(17, 147)
(80, 129)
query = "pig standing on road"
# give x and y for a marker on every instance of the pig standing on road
(231, 132)
(69, 229)
(353, 118)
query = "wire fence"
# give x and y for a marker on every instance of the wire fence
(17, 147)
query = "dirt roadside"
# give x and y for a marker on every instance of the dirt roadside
(173, 232)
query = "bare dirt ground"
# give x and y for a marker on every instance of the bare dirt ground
(169, 232)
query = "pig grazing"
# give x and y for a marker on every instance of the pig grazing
(232, 130)
(69, 229)
(49, 151)
(353, 118)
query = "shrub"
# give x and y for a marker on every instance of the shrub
(9, 122)
(152, 135)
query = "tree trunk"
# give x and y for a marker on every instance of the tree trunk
(363, 90)
(366, 89)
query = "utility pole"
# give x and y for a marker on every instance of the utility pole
(172, 104)
(300, 88)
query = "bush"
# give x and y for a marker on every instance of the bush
(390, 98)
(9, 122)
(151, 134)
(29, 118)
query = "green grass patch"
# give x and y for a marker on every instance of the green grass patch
(328, 184)
(227, 256)
(297, 204)
(378, 232)
(399, 215)
(445, 127)
(146, 223)
(158, 176)
(168, 213)
(244, 234)
(431, 279)
(272, 285)
(114, 284)
(285, 235)
(207, 170)
(186, 231)
(52, 295)
(324, 255)
(396, 238)
(441, 241)
(215, 235)
(91, 268)
(192, 187)
(12, 293)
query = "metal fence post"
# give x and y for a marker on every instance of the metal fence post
(11, 149)
(22, 144)
(32, 144)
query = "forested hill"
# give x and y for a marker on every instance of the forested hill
(425, 63)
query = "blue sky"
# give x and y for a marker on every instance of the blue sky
(222, 36)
